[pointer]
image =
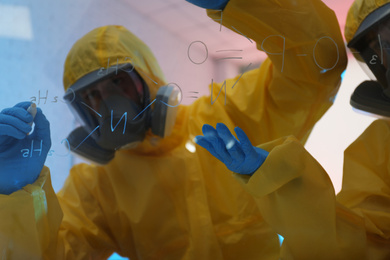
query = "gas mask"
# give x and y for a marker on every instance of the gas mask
(115, 113)
(371, 43)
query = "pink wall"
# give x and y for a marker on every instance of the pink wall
(341, 8)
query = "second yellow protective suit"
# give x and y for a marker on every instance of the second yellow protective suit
(162, 200)
(296, 197)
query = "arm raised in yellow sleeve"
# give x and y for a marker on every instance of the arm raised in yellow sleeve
(297, 84)
(297, 199)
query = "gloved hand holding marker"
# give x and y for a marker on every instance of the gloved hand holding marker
(17, 170)
(239, 156)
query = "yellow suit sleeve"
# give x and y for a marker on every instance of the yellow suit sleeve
(366, 185)
(29, 220)
(34, 227)
(297, 199)
(291, 90)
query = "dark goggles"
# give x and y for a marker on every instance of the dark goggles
(88, 95)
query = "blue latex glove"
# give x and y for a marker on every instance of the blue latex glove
(238, 155)
(210, 4)
(20, 163)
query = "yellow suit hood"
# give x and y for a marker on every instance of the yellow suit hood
(358, 11)
(108, 46)
(113, 45)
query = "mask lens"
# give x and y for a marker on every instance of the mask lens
(127, 85)
(107, 106)
(374, 49)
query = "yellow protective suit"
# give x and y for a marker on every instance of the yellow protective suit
(366, 186)
(366, 179)
(296, 197)
(163, 201)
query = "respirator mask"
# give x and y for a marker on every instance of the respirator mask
(371, 43)
(115, 112)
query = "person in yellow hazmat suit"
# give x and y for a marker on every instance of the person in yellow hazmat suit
(153, 198)
(293, 192)
(366, 179)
